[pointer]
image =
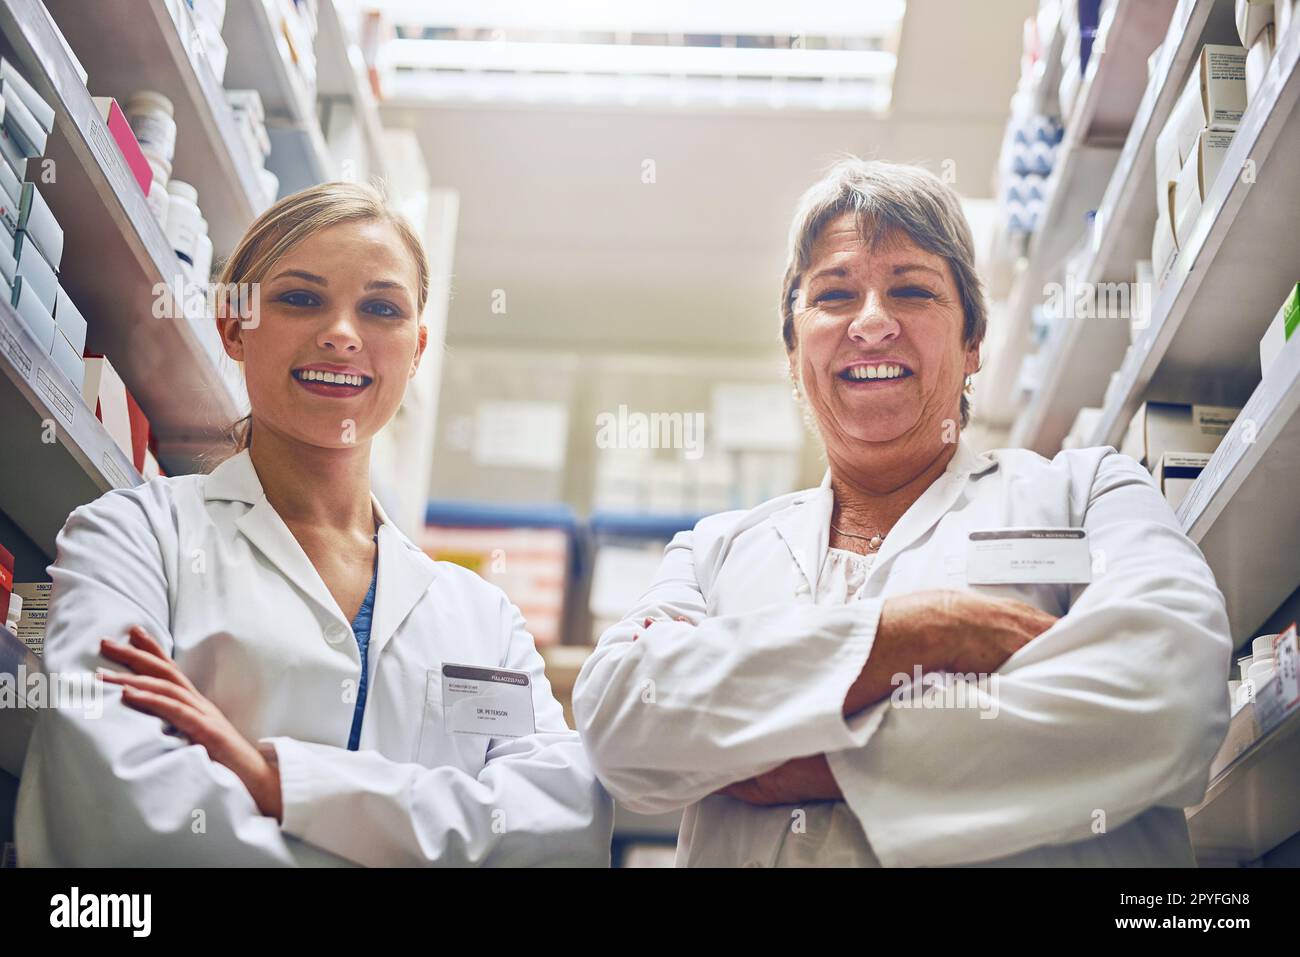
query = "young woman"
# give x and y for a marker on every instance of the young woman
(272, 646)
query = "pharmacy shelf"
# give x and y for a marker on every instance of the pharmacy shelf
(1082, 353)
(115, 255)
(1233, 272)
(1243, 510)
(123, 55)
(1250, 807)
(1109, 98)
(60, 456)
(341, 75)
(259, 60)
(15, 723)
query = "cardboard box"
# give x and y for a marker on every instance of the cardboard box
(68, 358)
(33, 217)
(104, 391)
(127, 144)
(1176, 472)
(34, 315)
(35, 270)
(1163, 249)
(35, 614)
(1258, 58)
(27, 133)
(8, 265)
(1160, 427)
(1280, 330)
(12, 152)
(11, 187)
(1195, 180)
(1213, 99)
(70, 320)
(1252, 17)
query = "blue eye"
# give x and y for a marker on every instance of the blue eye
(384, 309)
(299, 298)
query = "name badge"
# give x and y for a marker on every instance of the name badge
(492, 701)
(1032, 556)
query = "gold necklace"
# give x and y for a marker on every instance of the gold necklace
(873, 541)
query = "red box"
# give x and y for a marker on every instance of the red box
(6, 582)
(127, 144)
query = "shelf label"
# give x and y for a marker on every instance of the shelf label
(112, 472)
(16, 353)
(58, 397)
(107, 154)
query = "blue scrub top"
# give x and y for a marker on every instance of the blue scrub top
(361, 628)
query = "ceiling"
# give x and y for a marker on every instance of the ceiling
(557, 222)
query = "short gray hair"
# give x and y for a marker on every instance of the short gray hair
(887, 197)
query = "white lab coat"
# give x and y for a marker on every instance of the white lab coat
(206, 564)
(1107, 722)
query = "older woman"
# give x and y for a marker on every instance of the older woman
(767, 680)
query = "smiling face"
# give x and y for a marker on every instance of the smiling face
(341, 306)
(879, 349)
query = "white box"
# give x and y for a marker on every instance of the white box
(1280, 330)
(105, 393)
(1214, 98)
(1195, 180)
(1176, 472)
(1258, 58)
(1252, 17)
(34, 315)
(1158, 427)
(1283, 14)
(70, 320)
(35, 270)
(68, 358)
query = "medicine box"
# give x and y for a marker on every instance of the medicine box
(28, 135)
(1196, 178)
(1257, 60)
(1159, 427)
(1252, 17)
(1280, 330)
(70, 320)
(68, 358)
(1176, 472)
(127, 145)
(1213, 99)
(35, 270)
(34, 315)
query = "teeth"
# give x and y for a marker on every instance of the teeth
(335, 378)
(881, 371)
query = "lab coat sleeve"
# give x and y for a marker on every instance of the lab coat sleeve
(103, 785)
(690, 707)
(1119, 707)
(536, 802)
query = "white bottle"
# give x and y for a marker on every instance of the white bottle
(159, 198)
(185, 223)
(150, 116)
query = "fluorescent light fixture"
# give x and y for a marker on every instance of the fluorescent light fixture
(821, 55)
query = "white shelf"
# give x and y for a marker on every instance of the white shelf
(1251, 806)
(1244, 509)
(1109, 98)
(47, 480)
(115, 253)
(1231, 275)
(259, 60)
(149, 52)
(1082, 353)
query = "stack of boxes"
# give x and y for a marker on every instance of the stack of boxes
(1191, 147)
(1175, 442)
(32, 245)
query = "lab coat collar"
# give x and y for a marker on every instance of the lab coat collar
(804, 525)
(405, 571)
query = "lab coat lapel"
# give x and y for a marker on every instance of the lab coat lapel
(804, 526)
(405, 573)
(935, 501)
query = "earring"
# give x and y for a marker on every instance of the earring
(794, 393)
(970, 386)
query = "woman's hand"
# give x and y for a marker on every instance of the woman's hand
(796, 782)
(159, 688)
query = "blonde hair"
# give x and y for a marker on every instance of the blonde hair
(295, 218)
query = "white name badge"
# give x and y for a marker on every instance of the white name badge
(493, 701)
(1006, 556)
